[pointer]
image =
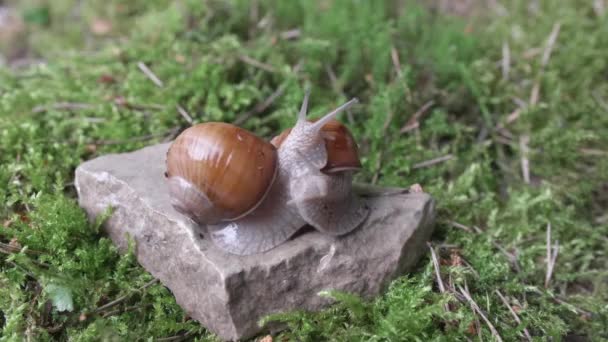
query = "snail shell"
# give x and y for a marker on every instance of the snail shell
(219, 172)
(306, 179)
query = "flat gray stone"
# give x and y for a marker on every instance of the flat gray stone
(227, 293)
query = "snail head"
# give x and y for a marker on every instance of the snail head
(306, 137)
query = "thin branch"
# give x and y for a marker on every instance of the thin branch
(396, 62)
(476, 307)
(413, 121)
(123, 297)
(262, 106)
(599, 7)
(62, 106)
(338, 89)
(184, 114)
(600, 101)
(552, 252)
(179, 337)
(534, 95)
(291, 34)
(436, 266)
(550, 44)
(432, 162)
(513, 313)
(461, 226)
(144, 68)
(378, 166)
(8, 248)
(510, 256)
(139, 138)
(593, 152)
(446, 307)
(525, 162)
(255, 63)
(506, 61)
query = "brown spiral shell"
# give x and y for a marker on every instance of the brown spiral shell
(219, 172)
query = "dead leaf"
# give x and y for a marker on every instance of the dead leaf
(14, 243)
(180, 59)
(91, 148)
(267, 338)
(101, 27)
(106, 79)
(472, 329)
(455, 258)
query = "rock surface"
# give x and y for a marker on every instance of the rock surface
(228, 294)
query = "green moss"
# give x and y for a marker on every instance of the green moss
(59, 272)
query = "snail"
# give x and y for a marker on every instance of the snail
(253, 195)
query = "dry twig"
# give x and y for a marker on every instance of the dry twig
(338, 89)
(255, 63)
(506, 61)
(413, 121)
(291, 34)
(62, 106)
(552, 252)
(433, 161)
(262, 106)
(513, 313)
(122, 298)
(525, 162)
(436, 266)
(544, 61)
(476, 308)
(378, 166)
(184, 114)
(144, 68)
(396, 62)
(170, 132)
(446, 307)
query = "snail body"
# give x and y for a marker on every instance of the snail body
(303, 176)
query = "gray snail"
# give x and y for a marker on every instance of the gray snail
(253, 195)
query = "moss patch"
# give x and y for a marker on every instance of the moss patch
(523, 85)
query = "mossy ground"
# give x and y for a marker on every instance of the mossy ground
(524, 84)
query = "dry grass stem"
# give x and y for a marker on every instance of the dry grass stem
(599, 7)
(593, 152)
(550, 44)
(413, 123)
(122, 298)
(506, 61)
(396, 62)
(169, 132)
(461, 226)
(291, 34)
(262, 106)
(62, 106)
(432, 162)
(552, 252)
(436, 266)
(440, 284)
(144, 68)
(513, 313)
(184, 114)
(338, 89)
(525, 162)
(544, 61)
(255, 63)
(476, 308)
